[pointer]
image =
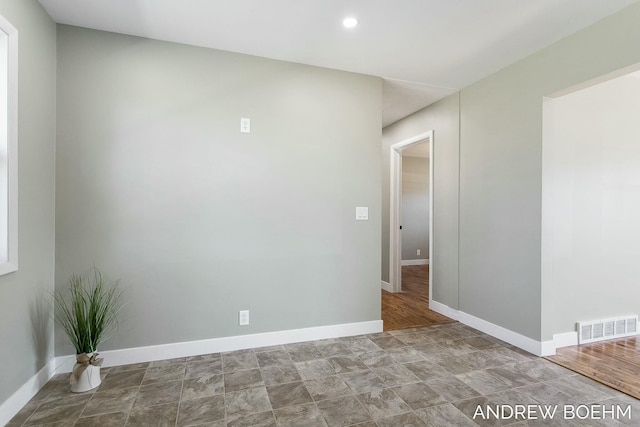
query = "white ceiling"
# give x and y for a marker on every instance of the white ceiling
(424, 49)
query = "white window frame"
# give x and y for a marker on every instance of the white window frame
(11, 263)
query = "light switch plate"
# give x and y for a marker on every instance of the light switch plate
(362, 213)
(245, 125)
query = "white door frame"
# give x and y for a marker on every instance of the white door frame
(395, 210)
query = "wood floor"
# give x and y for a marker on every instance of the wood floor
(410, 308)
(615, 363)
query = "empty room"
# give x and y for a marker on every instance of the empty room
(319, 213)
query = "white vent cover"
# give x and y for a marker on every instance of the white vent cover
(598, 330)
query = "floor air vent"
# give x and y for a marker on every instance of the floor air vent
(599, 330)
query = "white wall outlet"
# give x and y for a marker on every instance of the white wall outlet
(243, 317)
(362, 213)
(245, 125)
(418, 252)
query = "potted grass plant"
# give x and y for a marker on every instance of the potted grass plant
(88, 313)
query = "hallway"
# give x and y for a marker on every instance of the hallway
(410, 308)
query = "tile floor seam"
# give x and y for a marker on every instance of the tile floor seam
(224, 393)
(134, 401)
(180, 401)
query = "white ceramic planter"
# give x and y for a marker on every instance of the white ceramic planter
(88, 379)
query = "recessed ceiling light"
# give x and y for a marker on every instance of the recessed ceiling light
(350, 22)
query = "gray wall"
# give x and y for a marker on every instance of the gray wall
(157, 186)
(442, 118)
(26, 335)
(501, 164)
(415, 207)
(491, 266)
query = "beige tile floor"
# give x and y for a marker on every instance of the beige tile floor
(432, 376)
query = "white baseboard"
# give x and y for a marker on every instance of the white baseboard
(565, 339)
(504, 334)
(386, 286)
(64, 364)
(217, 345)
(23, 395)
(445, 310)
(414, 262)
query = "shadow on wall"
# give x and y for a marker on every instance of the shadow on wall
(41, 326)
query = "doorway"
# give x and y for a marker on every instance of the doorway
(406, 302)
(395, 218)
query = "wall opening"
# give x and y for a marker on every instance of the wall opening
(591, 203)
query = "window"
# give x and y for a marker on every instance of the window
(8, 147)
